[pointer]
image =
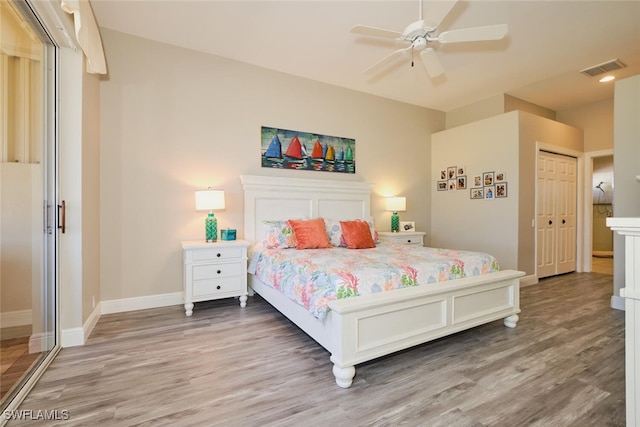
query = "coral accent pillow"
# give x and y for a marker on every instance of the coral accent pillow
(310, 234)
(357, 235)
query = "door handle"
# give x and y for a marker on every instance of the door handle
(62, 216)
(550, 222)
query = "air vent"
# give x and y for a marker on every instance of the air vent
(605, 67)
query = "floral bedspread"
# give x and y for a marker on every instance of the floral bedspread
(313, 277)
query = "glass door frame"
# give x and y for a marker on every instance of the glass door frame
(50, 165)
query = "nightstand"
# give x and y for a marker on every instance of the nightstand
(214, 270)
(407, 237)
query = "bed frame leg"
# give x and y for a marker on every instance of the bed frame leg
(510, 322)
(344, 376)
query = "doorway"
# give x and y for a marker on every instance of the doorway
(28, 258)
(556, 214)
(601, 183)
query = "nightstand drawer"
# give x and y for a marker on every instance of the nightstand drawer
(407, 238)
(214, 254)
(215, 287)
(410, 240)
(212, 271)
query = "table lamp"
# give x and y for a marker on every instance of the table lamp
(210, 200)
(396, 204)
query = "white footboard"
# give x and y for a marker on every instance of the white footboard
(368, 327)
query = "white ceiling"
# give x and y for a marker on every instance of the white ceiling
(539, 61)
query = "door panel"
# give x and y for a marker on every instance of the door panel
(28, 330)
(546, 261)
(556, 220)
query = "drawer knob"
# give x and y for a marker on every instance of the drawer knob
(218, 287)
(219, 271)
(408, 240)
(218, 254)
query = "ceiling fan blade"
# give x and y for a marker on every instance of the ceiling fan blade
(386, 60)
(431, 62)
(491, 32)
(376, 32)
(436, 11)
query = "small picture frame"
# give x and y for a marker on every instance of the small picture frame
(500, 177)
(461, 182)
(452, 184)
(462, 170)
(477, 181)
(407, 226)
(442, 185)
(443, 174)
(487, 179)
(490, 192)
(501, 190)
(451, 172)
(477, 193)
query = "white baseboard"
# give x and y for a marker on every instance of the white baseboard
(15, 318)
(529, 280)
(141, 303)
(72, 337)
(617, 302)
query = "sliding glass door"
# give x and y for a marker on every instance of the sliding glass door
(28, 295)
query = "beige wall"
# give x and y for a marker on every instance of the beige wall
(508, 143)
(536, 130)
(596, 120)
(626, 152)
(20, 234)
(489, 145)
(174, 120)
(90, 193)
(494, 106)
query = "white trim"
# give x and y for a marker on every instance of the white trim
(617, 302)
(588, 202)
(542, 146)
(141, 303)
(528, 280)
(16, 318)
(77, 336)
(72, 337)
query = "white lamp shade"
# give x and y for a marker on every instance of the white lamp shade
(208, 200)
(396, 204)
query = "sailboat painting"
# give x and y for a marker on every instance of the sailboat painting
(288, 149)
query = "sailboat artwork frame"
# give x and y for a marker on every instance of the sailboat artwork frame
(289, 149)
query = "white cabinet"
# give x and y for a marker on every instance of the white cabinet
(407, 237)
(630, 228)
(214, 270)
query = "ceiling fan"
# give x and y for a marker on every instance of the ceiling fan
(422, 33)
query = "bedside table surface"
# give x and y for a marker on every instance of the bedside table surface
(202, 244)
(401, 233)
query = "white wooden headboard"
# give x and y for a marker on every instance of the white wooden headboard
(280, 198)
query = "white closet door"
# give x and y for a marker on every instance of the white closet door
(566, 214)
(546, 221)
(556, 221)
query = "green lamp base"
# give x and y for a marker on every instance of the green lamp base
(395, 222)
(211, 228)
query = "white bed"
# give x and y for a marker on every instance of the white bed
(366, 327)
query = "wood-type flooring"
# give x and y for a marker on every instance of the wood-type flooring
(563, 365)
